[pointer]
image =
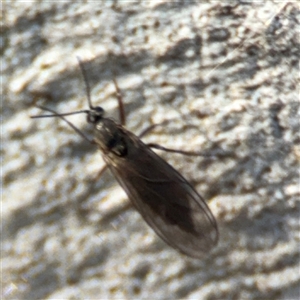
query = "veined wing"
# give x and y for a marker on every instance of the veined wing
(165, 199)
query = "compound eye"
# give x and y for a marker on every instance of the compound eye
(95, 115)
(99, 110)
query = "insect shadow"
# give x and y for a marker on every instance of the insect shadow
(166, 200)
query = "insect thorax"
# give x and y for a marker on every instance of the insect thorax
(110, 137)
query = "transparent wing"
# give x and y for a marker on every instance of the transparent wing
(167, 202)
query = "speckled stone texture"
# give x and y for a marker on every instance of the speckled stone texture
(227, 76)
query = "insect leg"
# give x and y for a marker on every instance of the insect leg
(61, 116)
(120, 102)
(217, 153)
(100, 173)
(151, 127)
(188, 153)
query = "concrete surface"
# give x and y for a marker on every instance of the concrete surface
(225, 73)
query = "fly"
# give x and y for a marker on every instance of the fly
(165, 199)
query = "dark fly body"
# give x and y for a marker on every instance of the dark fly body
(164, 198)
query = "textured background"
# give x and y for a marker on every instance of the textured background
(226, 73)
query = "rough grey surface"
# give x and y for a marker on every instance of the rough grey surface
(226, 73)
